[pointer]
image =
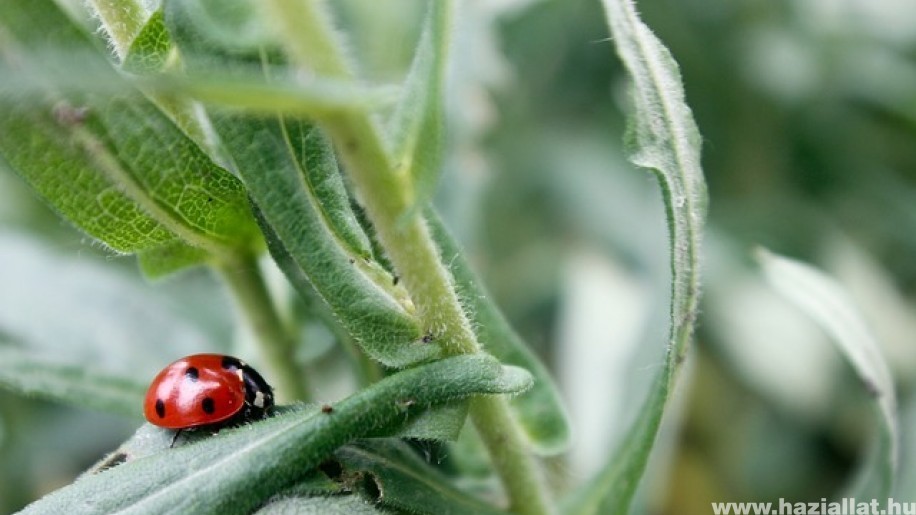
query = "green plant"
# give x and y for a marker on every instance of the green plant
(295, 155)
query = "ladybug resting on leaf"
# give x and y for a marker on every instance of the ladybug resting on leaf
(207, 390)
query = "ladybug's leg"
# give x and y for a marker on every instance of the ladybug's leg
(174, 438)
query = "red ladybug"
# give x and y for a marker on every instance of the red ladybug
(210, 390)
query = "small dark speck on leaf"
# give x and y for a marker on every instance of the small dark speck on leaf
(870, 387)
(113, 461)
(427, 338)
(352, 261)
(326, 408)
(68, 116)
(395, 280)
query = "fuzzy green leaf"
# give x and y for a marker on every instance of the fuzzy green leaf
(239, 469)
(114, 165)
(828, 304)
(150, 49)
(540, 410)
(664, 139)
(30, 374)
(404, 481)
(417, 126)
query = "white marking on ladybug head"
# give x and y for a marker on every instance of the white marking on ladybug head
(259, 399)
(241, 374)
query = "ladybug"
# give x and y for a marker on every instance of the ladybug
(207, 390)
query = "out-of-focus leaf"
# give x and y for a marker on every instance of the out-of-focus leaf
(828, 304)
(540, 410)
(81, 386)
(664, 139)
(150, 49)
(416, 128)
(403, 481)
(114, 165)
(239, 469)
(82, 312)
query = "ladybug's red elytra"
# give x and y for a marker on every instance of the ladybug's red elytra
(211, 390)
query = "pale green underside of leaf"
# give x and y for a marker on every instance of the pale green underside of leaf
(330, 505)
(663, 138)
(539, 411)
(30, 374)
(115, 166)
(828, 304)
(237, 470)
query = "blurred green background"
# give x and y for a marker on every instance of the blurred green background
(808, 112)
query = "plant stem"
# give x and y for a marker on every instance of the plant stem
(122, 20)
(306, 29)
(247, 284)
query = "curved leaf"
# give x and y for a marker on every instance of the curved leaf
(663, 138)
(828, 304)
(304, 210)
(539, 410)
(114, 165)
(239, 469)
(29, 374)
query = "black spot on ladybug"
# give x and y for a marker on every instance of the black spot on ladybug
(230, 363)
(160, 408)
(192, 374)
(326, 408)
(207, 405)
(332, 469)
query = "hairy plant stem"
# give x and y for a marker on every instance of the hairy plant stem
(121, 19)
(275, 343)
(307, 30)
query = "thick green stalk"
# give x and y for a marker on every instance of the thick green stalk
(307, 30)
(275, 343)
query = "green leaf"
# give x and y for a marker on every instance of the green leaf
(239, 469)
(417, 126)
(151, 48)
(114, 165)
(829, 305)
(540, 410)
(403, 481)
(663, 138)
(30, 374)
